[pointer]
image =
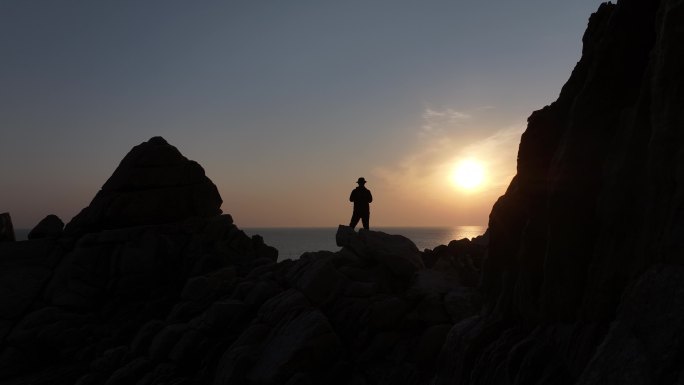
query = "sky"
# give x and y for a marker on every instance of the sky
(284, 103)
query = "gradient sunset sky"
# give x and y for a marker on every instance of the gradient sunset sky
(284, 103)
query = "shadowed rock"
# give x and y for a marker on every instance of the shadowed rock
(152, 245)
(583, 279)
(6, 228)
(199, 301)
(50, 227)
(153, 184)
(398, 253)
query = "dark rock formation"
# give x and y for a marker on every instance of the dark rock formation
(6, 228)
(69, 299)
(582, 280)
(50, 227)
(164, 298)
(398, 253)
(154, 184)
(579, 279)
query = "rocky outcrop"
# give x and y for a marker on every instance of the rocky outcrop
(67, 298)
(398, 253)
(50, 227)
(6, 228)
(581, 279)
(186, 297)
(154, 184)
(334, 318)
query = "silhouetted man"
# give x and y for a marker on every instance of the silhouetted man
(361, 196)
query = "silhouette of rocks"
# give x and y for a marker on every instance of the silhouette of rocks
(154, 184)
(461, 260)
(6, 228)
(159, 298)
(398, 253)
(581, 281)
(579, 278)
(50, 227)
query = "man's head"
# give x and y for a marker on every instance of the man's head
(361, 181)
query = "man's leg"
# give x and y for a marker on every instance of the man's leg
(365, 219)
(354, 220)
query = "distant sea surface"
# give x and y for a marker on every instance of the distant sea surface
(21, 234)
(293, 242)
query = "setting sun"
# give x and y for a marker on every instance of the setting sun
(468, 174)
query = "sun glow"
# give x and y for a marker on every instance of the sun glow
(468, 174)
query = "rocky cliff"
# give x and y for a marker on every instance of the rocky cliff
(583, 280)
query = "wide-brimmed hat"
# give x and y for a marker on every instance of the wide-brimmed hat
(361, 180)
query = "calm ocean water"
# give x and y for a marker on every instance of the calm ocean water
(21, 234)
(293, 242)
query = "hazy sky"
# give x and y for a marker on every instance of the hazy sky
(284, 103)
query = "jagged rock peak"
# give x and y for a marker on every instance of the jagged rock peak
(153, 184)
(50, 227)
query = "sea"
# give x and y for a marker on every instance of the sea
(292, 242)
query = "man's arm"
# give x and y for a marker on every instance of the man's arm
(370, 197)
(351, 196)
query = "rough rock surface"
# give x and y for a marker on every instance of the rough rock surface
(50, 227)
(582, 281)
(398, 253)
(186, 297)
(6, 228)
(154, 184)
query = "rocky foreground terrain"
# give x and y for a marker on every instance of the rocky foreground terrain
(150, 284)
(580, 279)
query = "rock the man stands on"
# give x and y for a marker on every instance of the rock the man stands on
(361, 197)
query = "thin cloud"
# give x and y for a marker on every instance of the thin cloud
(442, 145)
(439, 121)
(448, 114)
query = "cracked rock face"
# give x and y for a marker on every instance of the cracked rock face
(153, 184)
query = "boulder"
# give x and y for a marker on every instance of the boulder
(6, 228)
(316, 277)
(187, 348)
(430, 343)
(381, 345)
(386, 312)
(25, 269)
(306, 342)
(224, 313)
(284, 305)
(153, 184)
(165, 340)
(50, 227)
(462, 302)
(396, 252)
(196, 288)
(145, 335)
(130, 372)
